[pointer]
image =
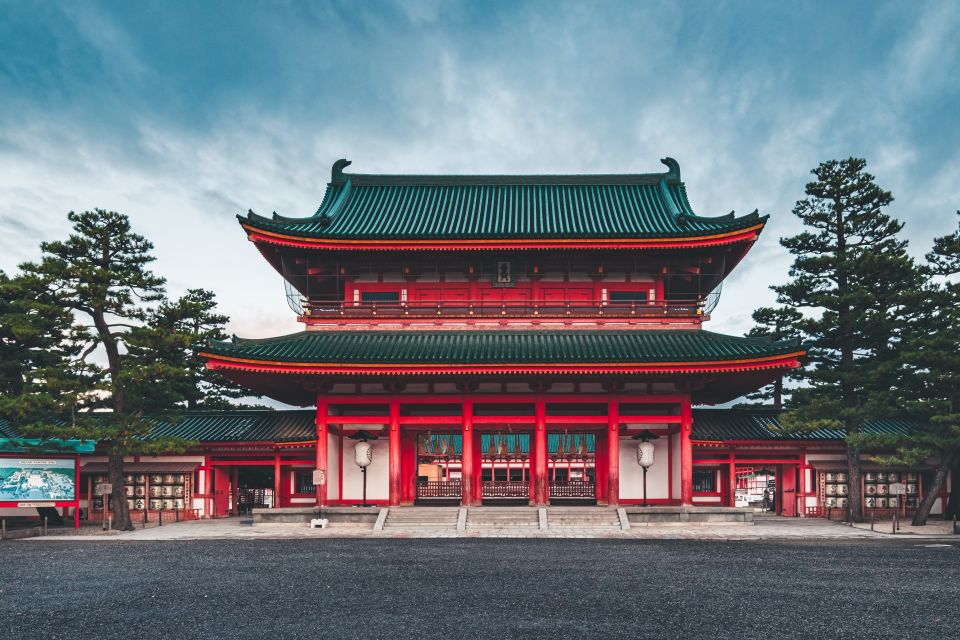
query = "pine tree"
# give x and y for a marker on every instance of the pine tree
(100, 273)
(851, 279)
(927, 389)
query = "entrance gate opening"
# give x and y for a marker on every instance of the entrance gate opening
(572, 467)
(254, 488)
(505, 468)
(439, 468)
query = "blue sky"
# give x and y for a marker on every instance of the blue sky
(185, 114)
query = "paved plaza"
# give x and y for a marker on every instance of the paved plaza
(469, 588)
(764, 528)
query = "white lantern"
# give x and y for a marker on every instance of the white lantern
(645, 454)
(363, 454)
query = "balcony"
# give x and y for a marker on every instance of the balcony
(316, 309)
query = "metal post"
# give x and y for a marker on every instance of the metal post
(894, 523)
(176, 513)
(3, 528)
(873, 518)
(160, 518)
(110, 524)
(44, 525)
(364, 502)
(143, 522)
(645, 486)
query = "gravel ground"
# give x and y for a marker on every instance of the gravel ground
(478, 589)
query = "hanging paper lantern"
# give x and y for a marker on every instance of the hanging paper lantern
(363, 454)
(645, 454)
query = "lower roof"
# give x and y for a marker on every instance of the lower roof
(240, 425)
(725, 366)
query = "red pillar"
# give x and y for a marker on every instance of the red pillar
(540, 492)
(394, 451)
(733, 480)
(276, 480)
(686, 452)
(613, 451)
(322, 452)
(466, 454)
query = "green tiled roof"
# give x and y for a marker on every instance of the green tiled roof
(241, 426)
(412, 207)
(298, 425)
(501, 347)
(760, 424)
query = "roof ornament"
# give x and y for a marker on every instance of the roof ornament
(336, 174)
(673, 173)
(250, 213)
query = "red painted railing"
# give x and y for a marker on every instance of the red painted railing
(463, 309)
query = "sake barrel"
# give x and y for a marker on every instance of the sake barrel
(870, 476)
(870, 503)
(180, 478)
(169, 478)
(167, 491)
(911, 477)
(128, 478)
(883, 489)
(893, 477)
(831, 502)
(155, 491)
(168, 504)
(841, 489)
(841, 477)
(139, 503)
(140, 491)
(881, 476)
(156, 478)
(129, 490)
(870, 489)
(881, 503)
(841, 502)
(831, 489)
(911, 489)
(178, 503)
(892, 502)
(156, 504)
(131, 504)
(178, 491)
(831, 477)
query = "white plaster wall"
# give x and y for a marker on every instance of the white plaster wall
(378, 473)
(333, 466)
(631, 473)
(675, 440)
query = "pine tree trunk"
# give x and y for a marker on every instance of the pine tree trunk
(121, 513)
(933, 491)
(953, 503)
(854, 496)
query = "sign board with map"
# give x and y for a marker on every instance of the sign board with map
(48, 481)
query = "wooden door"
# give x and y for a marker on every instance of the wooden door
(788, 490)
(221, 492)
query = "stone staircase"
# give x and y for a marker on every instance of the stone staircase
(421, 519)
(583, 519)
(504, 519)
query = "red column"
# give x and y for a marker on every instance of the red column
(394, 451)
(466, 454)
(686, 453)
(613, 451)
(322, 446)
(540, 493)
(733, 480)
(276, 480)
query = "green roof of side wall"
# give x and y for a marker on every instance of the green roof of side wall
(488, 207)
